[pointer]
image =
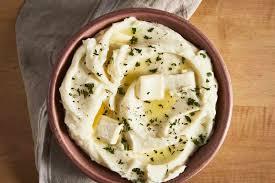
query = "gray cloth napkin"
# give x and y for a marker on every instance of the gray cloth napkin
(42, 29)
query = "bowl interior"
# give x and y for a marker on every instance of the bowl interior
(189, 32)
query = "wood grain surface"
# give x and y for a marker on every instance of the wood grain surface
(243, 31)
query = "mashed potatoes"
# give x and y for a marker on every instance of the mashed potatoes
(140, 99)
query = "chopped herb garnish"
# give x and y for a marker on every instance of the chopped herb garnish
(125, 144)
(134, 30)
(205, 88)
(90, 87)
(170, 68)
(131, 52)
(153, 70)
(148, 61)
(155, 151)
(121, 91)
(73, 78)
(133, 40)
(137, 64)
(126, 126)
(192, 113)
(120, 162)
(150, 30)
(146, 101)
(95, 52)
(209, 74)
(138, 171)
(158, 58)
(203, 55)
(207, 80)
(182, 60)
(191, 101)
(160, 105)
(109, 149)
(150, 46)
(152, 159)
(188, 119)
(138, 50)
(200, 141)
(83, 92)
(147, 37)
(98, 74)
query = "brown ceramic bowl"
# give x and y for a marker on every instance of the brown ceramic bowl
(224, 105)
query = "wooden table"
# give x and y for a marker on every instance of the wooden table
(244, 32)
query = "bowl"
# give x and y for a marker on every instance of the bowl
(224, 104)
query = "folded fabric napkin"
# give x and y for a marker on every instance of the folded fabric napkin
(42, 29)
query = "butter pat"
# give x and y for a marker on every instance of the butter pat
(150, 87)
(109, 129)
(176, 81)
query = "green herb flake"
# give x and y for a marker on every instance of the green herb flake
(182, 60)
(205, 88)
(133, 40)
(138, 171)
(134, 30)
(110, 149)
(209, 74)
(147, 37)
(191, 101)
(188, 119)
(150, 30)
(120, 162)
(82, 92)
(152, 159)
(121, 91)
(90, 87)
(125, 144)
(158, 58)
(148, 61)
(153, 70)
(95, 52)
(99, 74)
(137, 64)
(126, 126)
(131, 52)
(138, 50)
(201, 140)
(203, 55)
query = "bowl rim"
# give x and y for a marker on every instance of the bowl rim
(52, 113)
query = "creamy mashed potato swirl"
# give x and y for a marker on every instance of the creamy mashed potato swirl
(140, 99)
